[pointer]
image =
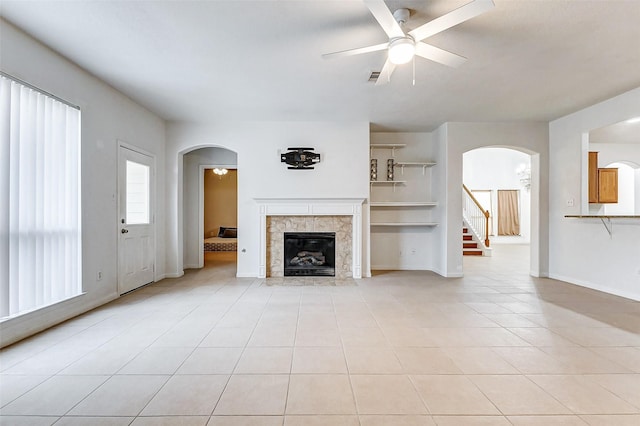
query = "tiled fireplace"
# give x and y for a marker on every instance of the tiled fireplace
(340, 216)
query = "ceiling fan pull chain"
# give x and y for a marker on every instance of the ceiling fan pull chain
(414, 70)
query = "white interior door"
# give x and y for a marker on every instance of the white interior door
(136, 230)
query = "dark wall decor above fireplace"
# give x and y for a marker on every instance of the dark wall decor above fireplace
(310, 254)
(300, 158)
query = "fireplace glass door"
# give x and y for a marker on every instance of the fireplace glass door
(309, 254)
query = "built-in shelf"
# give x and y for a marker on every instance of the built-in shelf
(424, 165)
(391, 146)
(387, 181)
(403, 163)
(388, 145)
(402, 208)
(403, 203)
(605, 219)
(414, 224)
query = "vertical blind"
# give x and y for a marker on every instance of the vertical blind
(40, 241)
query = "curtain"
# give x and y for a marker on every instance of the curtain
(508, 212)
(40, 239)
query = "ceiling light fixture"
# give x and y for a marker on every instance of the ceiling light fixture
(401, 50)
(220, 172)
(633, 120)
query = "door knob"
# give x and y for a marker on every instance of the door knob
(124, 231)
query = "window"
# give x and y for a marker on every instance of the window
(40, 238)
(137, 193)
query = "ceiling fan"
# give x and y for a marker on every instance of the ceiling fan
(402, 47)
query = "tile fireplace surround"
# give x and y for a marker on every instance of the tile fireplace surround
(278, 215)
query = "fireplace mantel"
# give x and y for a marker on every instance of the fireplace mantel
(312, 207)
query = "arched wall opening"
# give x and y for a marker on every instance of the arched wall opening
(486, 171)
(194, 162)
(458, 138)
(499, 178)
(515, 168)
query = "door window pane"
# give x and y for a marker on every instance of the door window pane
(137, 193)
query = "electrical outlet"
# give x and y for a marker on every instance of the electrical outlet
(570, 202)
(413, 251)
(99, 276)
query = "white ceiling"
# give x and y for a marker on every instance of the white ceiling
(203, 61)
(622, 132)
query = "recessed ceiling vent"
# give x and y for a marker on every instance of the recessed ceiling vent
(374, 76)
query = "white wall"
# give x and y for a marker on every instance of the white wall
(191, 195)
(628, 153)
(404, 248)
(107, 116)
(626, 204)
(531, 138)
(580, 250)
(440, 245)
(342, 172)
(494, 169)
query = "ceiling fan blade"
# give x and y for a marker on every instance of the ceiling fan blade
(385, 74)
(458, 16)
(358, 51)
(438, 55)
(385, 18)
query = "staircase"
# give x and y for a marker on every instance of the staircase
(475, 226)
(469, 246)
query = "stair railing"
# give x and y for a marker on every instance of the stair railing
(475, 215)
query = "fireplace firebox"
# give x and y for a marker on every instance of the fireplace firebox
(310, 254)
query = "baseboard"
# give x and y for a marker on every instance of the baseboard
(15, 329)
(538, 274)
(174, 275)
(598, 287)
(398, 268)
(192, 266)
(246, 275)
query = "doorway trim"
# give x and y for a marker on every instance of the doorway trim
(152, 209)
(201, 170)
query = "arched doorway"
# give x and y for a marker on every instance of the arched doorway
(198, 164)
(500, 178)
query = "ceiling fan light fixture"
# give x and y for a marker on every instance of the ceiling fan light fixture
(401, 50)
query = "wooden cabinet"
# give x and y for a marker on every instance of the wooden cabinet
(603, 182)
(593, 177)
(607, 185)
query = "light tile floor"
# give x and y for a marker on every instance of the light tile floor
(496, 347)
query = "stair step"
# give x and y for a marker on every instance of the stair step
(472, 252)
(467, 238)
(465, 230)
(470, 245)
